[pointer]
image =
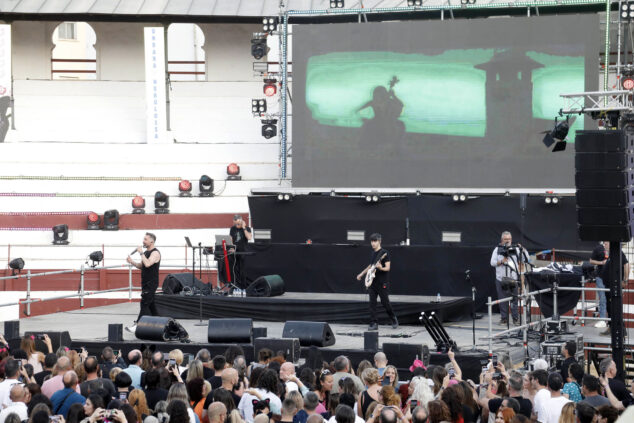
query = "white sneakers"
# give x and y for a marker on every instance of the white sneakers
(600, 324)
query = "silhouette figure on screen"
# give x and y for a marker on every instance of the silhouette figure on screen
(385, 125)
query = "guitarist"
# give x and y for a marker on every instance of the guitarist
(380, 285)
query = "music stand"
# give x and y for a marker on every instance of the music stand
(200, 294)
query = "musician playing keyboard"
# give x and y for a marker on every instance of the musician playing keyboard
(380, 263)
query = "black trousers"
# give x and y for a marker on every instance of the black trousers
(240, 272)
(148, 307)
(382, 293)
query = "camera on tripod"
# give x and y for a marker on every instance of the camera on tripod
(508, 250)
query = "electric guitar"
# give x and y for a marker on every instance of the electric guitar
(371, 273)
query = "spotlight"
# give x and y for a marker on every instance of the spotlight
(60, 235)
(93, 221)
(269, 128)
(459, 198)
(96, 257)
(558, 135)
(259, 48)
(270, 24)
(138, 205)
(284, 197)
(258, 106)
(465, 2)
(548, 200)
(372, 197)
(161, 203)
(555, 200)
(412, 3)
(206, 186)
(111, 220)
(337, 4)
(270, 87)
(185, 188)
(233, 172)
(551, 200)
(627, 10)
(16, 264)
(628, 83)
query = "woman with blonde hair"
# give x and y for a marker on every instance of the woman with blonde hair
(35, 358)
(568, 413)
(138, 401)
(370, 378)
(177, 356)
(392, 375)
(114, 372)
(420, 391)
(195, 371)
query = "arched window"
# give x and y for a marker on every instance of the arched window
(74, 55)
(186, 57)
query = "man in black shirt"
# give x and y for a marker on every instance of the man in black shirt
(49, 362)
(569, 350)
(240, 235)
(607, 368)
(598, 258)
(380, 285)
(605, 275)
(149, 266)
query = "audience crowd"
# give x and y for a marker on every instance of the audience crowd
(70, 386)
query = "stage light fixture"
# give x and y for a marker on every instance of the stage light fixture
(93, 221)
(258, 106)
(270, 24)
(111, 220)
(551, 200)
(206, 186)
(465, 2)
(16, 264)
(270, 87)
(284, 197)
(558, 135)
(269, 128)
(548, 200)
(412, 3)
(337, 4)
(96, 257)
(628, 83)
(627, 10)
(233, 172)
(259, 48)
(372, 197)
(161, 203)
(555, 200)
(459, 198)
(184, 188)
(60, 235)
(138, 205)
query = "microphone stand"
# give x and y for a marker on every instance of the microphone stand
(200, 293)
(473, 307)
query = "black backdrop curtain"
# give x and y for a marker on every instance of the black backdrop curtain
(415, 270)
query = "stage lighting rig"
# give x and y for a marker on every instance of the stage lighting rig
(138, 205)
(412, 3)
(627, 10)
(60, 235)
(111, 220)
(465, 2)
(233, 172)
(161, 203)
(269, 24)
(258, 106)
(16, 264)
(373, 197)
(259, 49)
(337, 4)
(459, 198)
(206, 186)
(270, 87)
(95, 257)
(184, 188)
(558, 135)
(93, 221)
(284, 197)
(269, 128)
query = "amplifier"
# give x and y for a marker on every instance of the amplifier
(565, 337)
(552, 348)
(555, 361)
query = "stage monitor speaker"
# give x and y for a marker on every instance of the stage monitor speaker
(470, 363)
(158, 328)
(603, 179)
(289, 346)
(371, 340)
(266, 286)
(318, 334)
(115, 332)
(402, 355)
(182, 284)
(259, 333)
(230, 331)
(58, 339)
(11, 329)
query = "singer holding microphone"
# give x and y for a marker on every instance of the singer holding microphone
(149, 266)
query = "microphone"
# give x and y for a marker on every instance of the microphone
(133, 251)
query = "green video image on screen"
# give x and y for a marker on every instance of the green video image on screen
(440, 94)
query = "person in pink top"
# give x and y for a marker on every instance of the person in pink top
(56, 383)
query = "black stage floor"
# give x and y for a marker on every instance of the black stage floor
(321, 307)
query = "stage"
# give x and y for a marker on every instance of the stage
(322, 307)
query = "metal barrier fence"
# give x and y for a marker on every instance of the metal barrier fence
(81, 293)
